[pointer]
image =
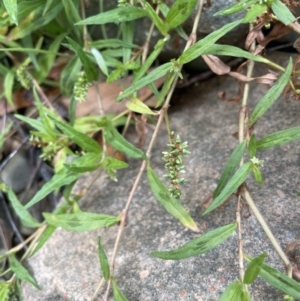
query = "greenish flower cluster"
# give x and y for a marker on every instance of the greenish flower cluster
(81, 87)
(174, 163)
(23, 77)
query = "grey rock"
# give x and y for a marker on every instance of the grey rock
(67, 268)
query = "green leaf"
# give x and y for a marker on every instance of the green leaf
(103, 260)
(233, 184)
(230, 167)
(84, 141)
(113, 163)
(99, 60)
(269, 98)
(89, 67)
(118, 295)
(158, 22)
(25, 217)
(235, 8)
(278, 138)
(257, 175)
(12, 8)
(36, 124)
(21, 272)
(228, 50)
(63, 177)
(138, 106)
(255, 11)
(117, 141)
(149, 78)
(233, 292)
(88, 162)
(253, 268)
(204, 44)
(179, 12)
(69, 76)
(252, 146)
(151, 58)
(8, 86)
(43, 239)
(81, 221)
(165, 88)
(279, 280)
(198, 246)
(120, 14)
(282, 12)
(171, 204)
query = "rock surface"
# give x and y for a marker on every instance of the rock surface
(67, 268)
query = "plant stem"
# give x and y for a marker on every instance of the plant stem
(267, 230)
(162, 111)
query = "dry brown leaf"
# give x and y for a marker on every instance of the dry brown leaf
(215, 64)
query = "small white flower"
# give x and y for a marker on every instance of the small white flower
(257, 162)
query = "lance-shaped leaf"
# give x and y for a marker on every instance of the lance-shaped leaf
(81, 221)
(148, 79)
(103, 260)
(252, 146)
(279, 280)
(84, 141)
(199, 245)
(230, 167)
(253, 268)
(282, 12)
(255, 11)
(117, 141)
(89, 67)
(233, 292)
(235, 8)
(118, 295)
(269, 98)
(278, 138)
(21, 272)
(179, 12)
(138, 106)
(88, 162)
(63, 177)
(113, 163)
(25, 217)
(5, 289)
(120, 14)
(204, 44)
(12, 8)
(171, 204)
(233, 184)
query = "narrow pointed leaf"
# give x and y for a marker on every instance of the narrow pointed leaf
(204, 44)
(230, 167)
(12, 8)
(100, 60)
(84, 141)
(5, 289)
(233, 292)
(255, 11)
(88, 162)
(198, 246)
(253, 268)
(252, 146)
(172, 205)
(21, 272)
(120, 14)
(113, 163)
(148, 79)
(282, 12)
(8, 86)
(103, 260)
(233, 184)
(43, 239)
(138, 106)
(235, 8)
(81, 221)
(36, 124)
(279, 138)
(279, 280)
(60, 179)
(118, 295)
(273, 93)
(25, 217)
(179, 12)
(257, 175)
(89, 67)
(117, 141)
